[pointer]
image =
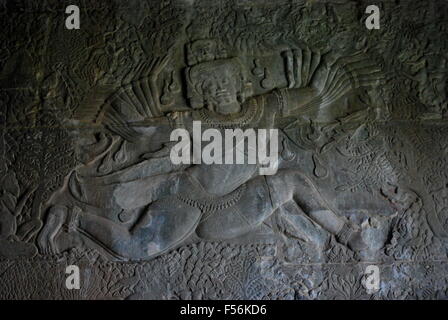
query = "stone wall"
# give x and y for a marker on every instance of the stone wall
(86, 178)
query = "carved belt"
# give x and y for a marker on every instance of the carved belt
(211, 204)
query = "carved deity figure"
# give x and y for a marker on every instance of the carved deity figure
(142, 209)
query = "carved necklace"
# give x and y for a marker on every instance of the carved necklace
(250, 115)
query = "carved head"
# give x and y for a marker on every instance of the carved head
(204, 50)
(218, 85)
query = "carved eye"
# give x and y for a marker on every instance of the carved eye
(208, 86)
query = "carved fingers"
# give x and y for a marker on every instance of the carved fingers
(360, 70)
(289, 66)
(148, 69)
(349, 73)
(159, 64)
(301, 65)
(115, 123)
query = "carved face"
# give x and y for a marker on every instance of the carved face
(221, 88)
(219, 85)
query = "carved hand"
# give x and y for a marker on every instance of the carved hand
(301, 65)
(342, 76)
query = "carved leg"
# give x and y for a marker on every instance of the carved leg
(295, 185)
(164, 224)
(260, 197)
(126, 195)
(305, 228)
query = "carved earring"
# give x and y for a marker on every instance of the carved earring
(267, 82)
(209, 105)
(246, 92)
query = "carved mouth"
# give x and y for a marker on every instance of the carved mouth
(223, 95)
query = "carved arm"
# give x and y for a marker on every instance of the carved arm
(313, 84)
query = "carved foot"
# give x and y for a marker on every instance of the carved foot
(344, 232)
(55, 220)
(29, 229)
(351, 237)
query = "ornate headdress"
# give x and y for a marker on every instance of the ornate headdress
(204, 50)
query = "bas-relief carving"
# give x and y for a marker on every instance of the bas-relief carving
(86, 174)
